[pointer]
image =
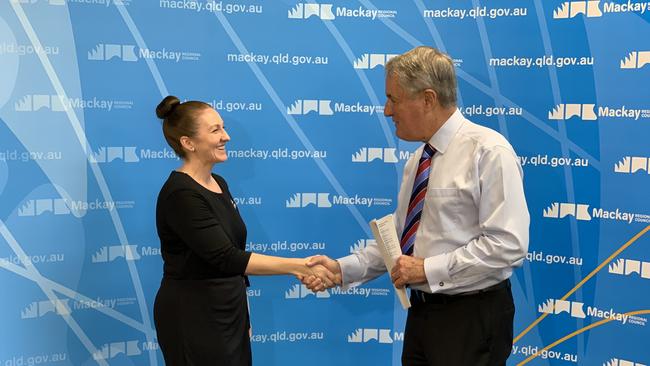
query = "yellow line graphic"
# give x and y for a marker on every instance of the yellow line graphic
(581, 330)
(587, 278)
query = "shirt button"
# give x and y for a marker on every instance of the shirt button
(441, 284)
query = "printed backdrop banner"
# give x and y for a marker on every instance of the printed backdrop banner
(312, 159)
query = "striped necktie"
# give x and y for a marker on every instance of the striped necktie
(416, 203)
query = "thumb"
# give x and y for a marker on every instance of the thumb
(317, 259)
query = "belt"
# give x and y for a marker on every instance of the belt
(418, 296)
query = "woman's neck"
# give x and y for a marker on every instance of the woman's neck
(201, 173)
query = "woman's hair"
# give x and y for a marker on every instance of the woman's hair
(179, 119)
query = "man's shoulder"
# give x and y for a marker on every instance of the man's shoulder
(484, 137)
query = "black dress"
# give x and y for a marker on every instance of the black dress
(200, 311)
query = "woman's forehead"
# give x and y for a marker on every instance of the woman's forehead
(210, 117)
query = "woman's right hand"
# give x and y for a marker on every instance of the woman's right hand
(318, 276)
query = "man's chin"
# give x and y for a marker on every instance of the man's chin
(405, 138)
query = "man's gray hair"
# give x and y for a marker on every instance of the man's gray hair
(425, 68)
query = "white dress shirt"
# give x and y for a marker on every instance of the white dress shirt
(474, 224)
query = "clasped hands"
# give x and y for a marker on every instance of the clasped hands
(320, 273)
(326, 272)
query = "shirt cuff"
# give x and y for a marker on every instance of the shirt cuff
(436, 269)
(351, 270)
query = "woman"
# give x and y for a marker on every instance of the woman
(200, 310)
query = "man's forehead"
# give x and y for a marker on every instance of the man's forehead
(392, 86)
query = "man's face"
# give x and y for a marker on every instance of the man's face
(408, 112)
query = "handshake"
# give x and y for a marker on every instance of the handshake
(319, 273)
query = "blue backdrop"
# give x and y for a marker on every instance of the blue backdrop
(312, 159)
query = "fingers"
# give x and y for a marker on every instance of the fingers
(399, 278)
(327, 262)
(330, 278)
(312, 278)
(399, 274)
(314, 283)
(327, 283)
(309, 281)
(396, 278)
(317, 285)
(320, 279)
(326, 270)
(399, 281)
(326, 273)
(326, 277)
(408, 270)
(394, 273)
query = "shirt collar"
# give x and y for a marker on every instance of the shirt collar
(441, 139)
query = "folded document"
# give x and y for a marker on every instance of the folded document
(386, 237)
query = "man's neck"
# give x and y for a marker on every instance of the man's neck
(439, 118)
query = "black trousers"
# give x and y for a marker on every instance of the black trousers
(460, 330)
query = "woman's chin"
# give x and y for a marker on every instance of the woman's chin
(220, 157)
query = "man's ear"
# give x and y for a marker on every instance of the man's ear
(430, 98)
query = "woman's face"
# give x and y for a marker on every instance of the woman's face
(209, 142)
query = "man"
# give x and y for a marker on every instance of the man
(462, 219)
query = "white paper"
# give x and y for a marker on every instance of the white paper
(386, 237)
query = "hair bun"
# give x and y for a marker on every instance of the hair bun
(167, 106)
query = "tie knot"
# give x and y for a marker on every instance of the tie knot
(428, 152)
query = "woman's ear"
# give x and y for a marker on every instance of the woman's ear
(187, 143)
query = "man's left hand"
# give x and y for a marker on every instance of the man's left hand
(408, 270)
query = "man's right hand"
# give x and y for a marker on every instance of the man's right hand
(329, 263)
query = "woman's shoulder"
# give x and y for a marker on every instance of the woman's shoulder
(178, 182)
(177, 179)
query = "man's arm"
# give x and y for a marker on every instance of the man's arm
(355, 269)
